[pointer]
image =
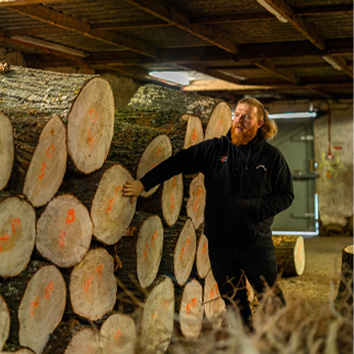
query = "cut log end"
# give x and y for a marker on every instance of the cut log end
(194, 131)
(111, 212)
(220, 121)
(7, 150)
(48, 164)
(158, 150)
(64, 231)
(172, 199)
(202, 257)
(196, 202)
(18, 232)
(91, 125)
(4, 322)
(41, 308)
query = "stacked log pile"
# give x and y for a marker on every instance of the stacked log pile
(81, 267)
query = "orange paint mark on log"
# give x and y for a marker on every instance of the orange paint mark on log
(155, 315)
(194, 136)
(188, 308)
(48, 290)
(185, 248)
(118, 335)
(146, 251)
(205, 246)
(119, 187)
(166, 304)
(70, 217)
(50, 150)
(34, 304)
(91, 139)
(158, 153)
(5, 237)
(153, 238)
(41, 174)
(110, 205)
(174, 182)
(172, 205)
(61, 241)
(153, 166)
(88, 283)
(15, 222)
(92, 110)
(99, 270)
(219, 125)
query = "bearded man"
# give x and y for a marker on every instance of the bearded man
(248, 182)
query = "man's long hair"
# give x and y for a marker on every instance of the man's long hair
(269, 128)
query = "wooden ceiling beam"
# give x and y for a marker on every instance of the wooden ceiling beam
(304, 27)
(180, 20)
(271, 68)
(55, 18)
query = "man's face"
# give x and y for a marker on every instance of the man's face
(245, 124)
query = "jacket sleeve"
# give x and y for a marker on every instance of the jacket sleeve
(185, 161)
(281, 198)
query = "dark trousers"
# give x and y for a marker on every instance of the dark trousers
(229, 267)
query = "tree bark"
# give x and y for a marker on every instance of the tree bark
(41, 308)
(40, 156)
(17, 237)
(7, 150)
(157, 318)
(84, 102)
(290, 253)
(64, 231)
(4, 322)
(191, 310)
(93, 286)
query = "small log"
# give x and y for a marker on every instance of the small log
(86, 340)
(157, 318)
(179, 251)
(196, 201)
(41, 308)
(93, 286)
(191, 310)
(345, 289)
(158, 150)
(7, 150)
(18, 232)
(64, 231)
(84, 102)
(40, 156)
(202, 257)
(219, 122)
(118, 334)
(4, 323)
(194, 131)
(214, 305)
(110, 211)
(290, 254)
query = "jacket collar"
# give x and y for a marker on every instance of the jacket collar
(255, 141)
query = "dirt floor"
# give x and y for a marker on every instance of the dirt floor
(322, 271)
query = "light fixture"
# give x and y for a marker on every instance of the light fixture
(333, 62)
(289, 115)
(175, 77)
(50, 45)
(269, 8)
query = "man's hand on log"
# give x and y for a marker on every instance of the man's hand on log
(132, 189)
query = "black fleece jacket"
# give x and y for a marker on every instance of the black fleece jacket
(246, 187)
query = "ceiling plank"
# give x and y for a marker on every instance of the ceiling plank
(58, 19)
(271, 68)
(29, 2)
(181, 21)
(304, 27)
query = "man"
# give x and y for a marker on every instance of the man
(248, 182)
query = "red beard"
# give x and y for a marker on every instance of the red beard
(243, 137)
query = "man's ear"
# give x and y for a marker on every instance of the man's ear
(260, 123)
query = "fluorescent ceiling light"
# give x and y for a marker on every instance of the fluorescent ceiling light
(289, 115)
(272, 11)
(50, 45)
(172, 76)
(332, 61)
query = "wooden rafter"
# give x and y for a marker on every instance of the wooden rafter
(271, 68)
(58, 19)
(180, 20)
(303, 26)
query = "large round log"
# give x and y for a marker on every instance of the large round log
(110, 211)
(157, 318)
(191, 310)
(118, 334)
(4, 322)
(290, 254)
(41, 308)
(219, 122)
(84, 102)
(93, 286)
(40, 155)
(7, 150)
(64, 231)
(214, 305)
(17, 235)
